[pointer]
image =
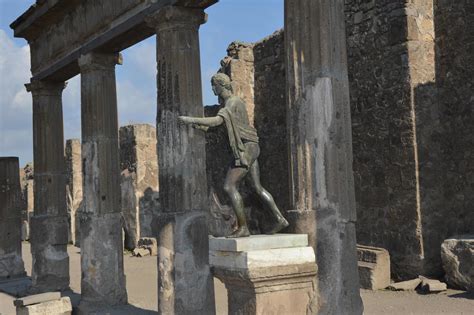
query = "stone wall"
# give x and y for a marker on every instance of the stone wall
(139, 181)
(412, 126)
(383, 133)
(454, 29)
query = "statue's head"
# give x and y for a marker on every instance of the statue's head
(221, 82)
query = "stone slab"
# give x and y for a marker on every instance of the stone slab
(374, 267)
(432, 285)
(258, 242)
(61, 306)
(37, 298)
(261, 258)
(409, 285)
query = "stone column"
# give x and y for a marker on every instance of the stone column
(11, 262)
(103, 279)
(185, 284)
(319, 123)
(49, 224)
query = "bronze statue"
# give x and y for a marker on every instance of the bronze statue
(243, 141)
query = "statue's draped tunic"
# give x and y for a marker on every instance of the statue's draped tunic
(239, 129)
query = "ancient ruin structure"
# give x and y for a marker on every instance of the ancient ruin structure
(69, 37)
(411, 97)
(74, 187)
(27, 182)
(139, 181)
(11, 262)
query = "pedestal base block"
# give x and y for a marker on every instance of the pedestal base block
(266, 281)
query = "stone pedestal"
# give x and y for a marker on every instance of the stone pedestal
(266, 274)
(49, 224)
(11, 262)
(322, 198)
(185, 284)
(103, 279)
(374, 267)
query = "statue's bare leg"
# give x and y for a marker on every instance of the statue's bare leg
(232, 180)
(266, 198)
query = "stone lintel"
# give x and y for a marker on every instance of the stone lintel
(172, 17)
(258, 242)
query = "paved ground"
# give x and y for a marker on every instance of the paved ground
(142, 292)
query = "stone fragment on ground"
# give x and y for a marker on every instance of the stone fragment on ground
(457, 254)
(150, 244)
(374, 267)
(45, 303)
(140, 252)
(432, 285)
(409, 285)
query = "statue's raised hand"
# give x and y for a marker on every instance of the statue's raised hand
(185, 120)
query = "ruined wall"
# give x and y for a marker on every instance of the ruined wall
(454, 29)
(412, 126)
(139, 181)
(74, 187)
(26, 181)
(383, 131)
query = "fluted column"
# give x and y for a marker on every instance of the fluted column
(11, 262)
(49, 223)
(103, 279)
(322, 186)
(185, 283)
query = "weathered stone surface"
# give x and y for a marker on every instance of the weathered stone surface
(141, 252)
(320, 147)
(432, 285)
(74, 187)
(11, 262)
(139, 181)
(184, 282)
(258, 242)
(457, 254)
(27, 182)
(48, 226)
(409, 285)
(412, 126)
(374, 267)
(61, 306)
(267, 280)
(102, 277)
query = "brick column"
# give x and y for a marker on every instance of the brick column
(320, 146)
(49, 223)
(103, 279)
(185, 284)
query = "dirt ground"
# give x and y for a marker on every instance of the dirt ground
(141, 276)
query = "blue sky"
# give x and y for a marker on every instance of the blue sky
(229, 20)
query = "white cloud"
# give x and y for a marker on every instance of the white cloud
(15, 103)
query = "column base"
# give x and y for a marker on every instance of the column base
(263, 278)
(49, 238)
(103, 278)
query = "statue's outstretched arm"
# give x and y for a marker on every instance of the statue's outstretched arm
(201, 121)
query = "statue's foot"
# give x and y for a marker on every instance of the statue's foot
(242, 231)
(280, 225)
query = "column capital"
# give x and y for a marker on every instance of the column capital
(46, 88)
(172, 17)
(99, 61)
